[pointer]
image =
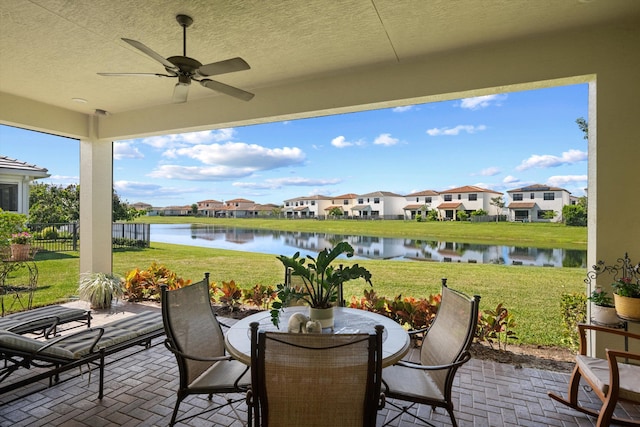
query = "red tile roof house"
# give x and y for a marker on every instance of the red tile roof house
(468, 199)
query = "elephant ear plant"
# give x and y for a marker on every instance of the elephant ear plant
(320, 280)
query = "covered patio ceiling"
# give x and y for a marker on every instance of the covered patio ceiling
(307, 58)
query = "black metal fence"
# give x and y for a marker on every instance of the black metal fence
(64, 237)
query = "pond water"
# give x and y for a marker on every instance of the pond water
(366, 247)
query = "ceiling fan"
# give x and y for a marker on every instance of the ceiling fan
(187, 69)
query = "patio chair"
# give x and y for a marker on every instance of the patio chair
(315, 379)
(614, 379)
(195, 337)
(445, 347)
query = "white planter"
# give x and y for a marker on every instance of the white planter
(323, 315)
(604, 315)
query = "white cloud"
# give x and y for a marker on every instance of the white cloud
(386, 139)
(565, 180)
(134, 191)
(492, 171)
(550, 161)
(456, 130)
(509, 179)
(479, 102)
(124, 150)
(340, 142)
(63, 180)
(199, 173)
(403, 109)
(242, 155)
(186, 139)
(276, 183)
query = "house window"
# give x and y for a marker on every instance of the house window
(532, 196)
(473, 197)
(345, 202)
(427, 199)
(360, 201)
(313, 203)
(376, 200)
(9, 197)
(517, 197)
(459, 196)
(549, 196)
(543, 214)
(417, 199)
(447, 197)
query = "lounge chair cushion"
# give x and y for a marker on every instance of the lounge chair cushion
(597, 370)
(42, 317)
(24, 344)
(142, 323)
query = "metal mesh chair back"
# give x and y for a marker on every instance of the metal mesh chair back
(316, 379)
(192, 328)
(450, 334)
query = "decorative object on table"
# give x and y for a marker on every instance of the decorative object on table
(297, 323)
(626, 285)
(21, 246)
(321, 282)
(100, 289)
(603, 311)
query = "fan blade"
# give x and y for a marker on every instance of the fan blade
(151, 53)
(222, 67)
(227, 90)
(134, 74)
(181, 90)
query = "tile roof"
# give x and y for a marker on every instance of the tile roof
(450, 205)
(380, 194)
(536, 187)
(13, 166)
(423, 193)
(469, 189)
(521, 205)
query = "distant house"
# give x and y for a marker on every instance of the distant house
(378, 205)
(210, 208)
(468, 199)
(420, 203)
(306, 207)
(140, 206)
(176, 211)
(538, 202)
(15, 180)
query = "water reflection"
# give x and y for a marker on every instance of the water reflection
(366, 247)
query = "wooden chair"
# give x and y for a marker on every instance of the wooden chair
(445, 347)
(614, 379)
(315, 379)
(195, 337)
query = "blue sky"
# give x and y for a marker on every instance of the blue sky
(500, 142)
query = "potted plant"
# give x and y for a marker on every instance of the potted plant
(21, 246)
(602, 309)
(100, 289)
(320, 282)
(626, 286)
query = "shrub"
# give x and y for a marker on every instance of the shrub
(231, 295)
(496, 326)
(260, 295)
(574, 311)
(145, 284)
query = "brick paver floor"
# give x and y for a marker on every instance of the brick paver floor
(140, 391)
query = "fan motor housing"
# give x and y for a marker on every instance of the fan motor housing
(185, 64)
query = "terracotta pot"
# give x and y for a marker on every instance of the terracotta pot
(604, 315)
(628, 308)
(20, 252)
(323, 315)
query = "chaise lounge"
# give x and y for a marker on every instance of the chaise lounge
(62, 354)
(44, 320)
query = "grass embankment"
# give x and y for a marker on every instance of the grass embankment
(541, 235)
(532, 294)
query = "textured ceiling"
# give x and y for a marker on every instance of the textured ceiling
(51, 50)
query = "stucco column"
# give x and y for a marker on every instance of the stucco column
(96, 176)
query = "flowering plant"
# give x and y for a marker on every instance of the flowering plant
(627, 287)
(601, 298)
(21, 238)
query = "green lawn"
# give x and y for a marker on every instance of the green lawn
(532, 294)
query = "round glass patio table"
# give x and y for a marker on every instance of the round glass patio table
(395, 342)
